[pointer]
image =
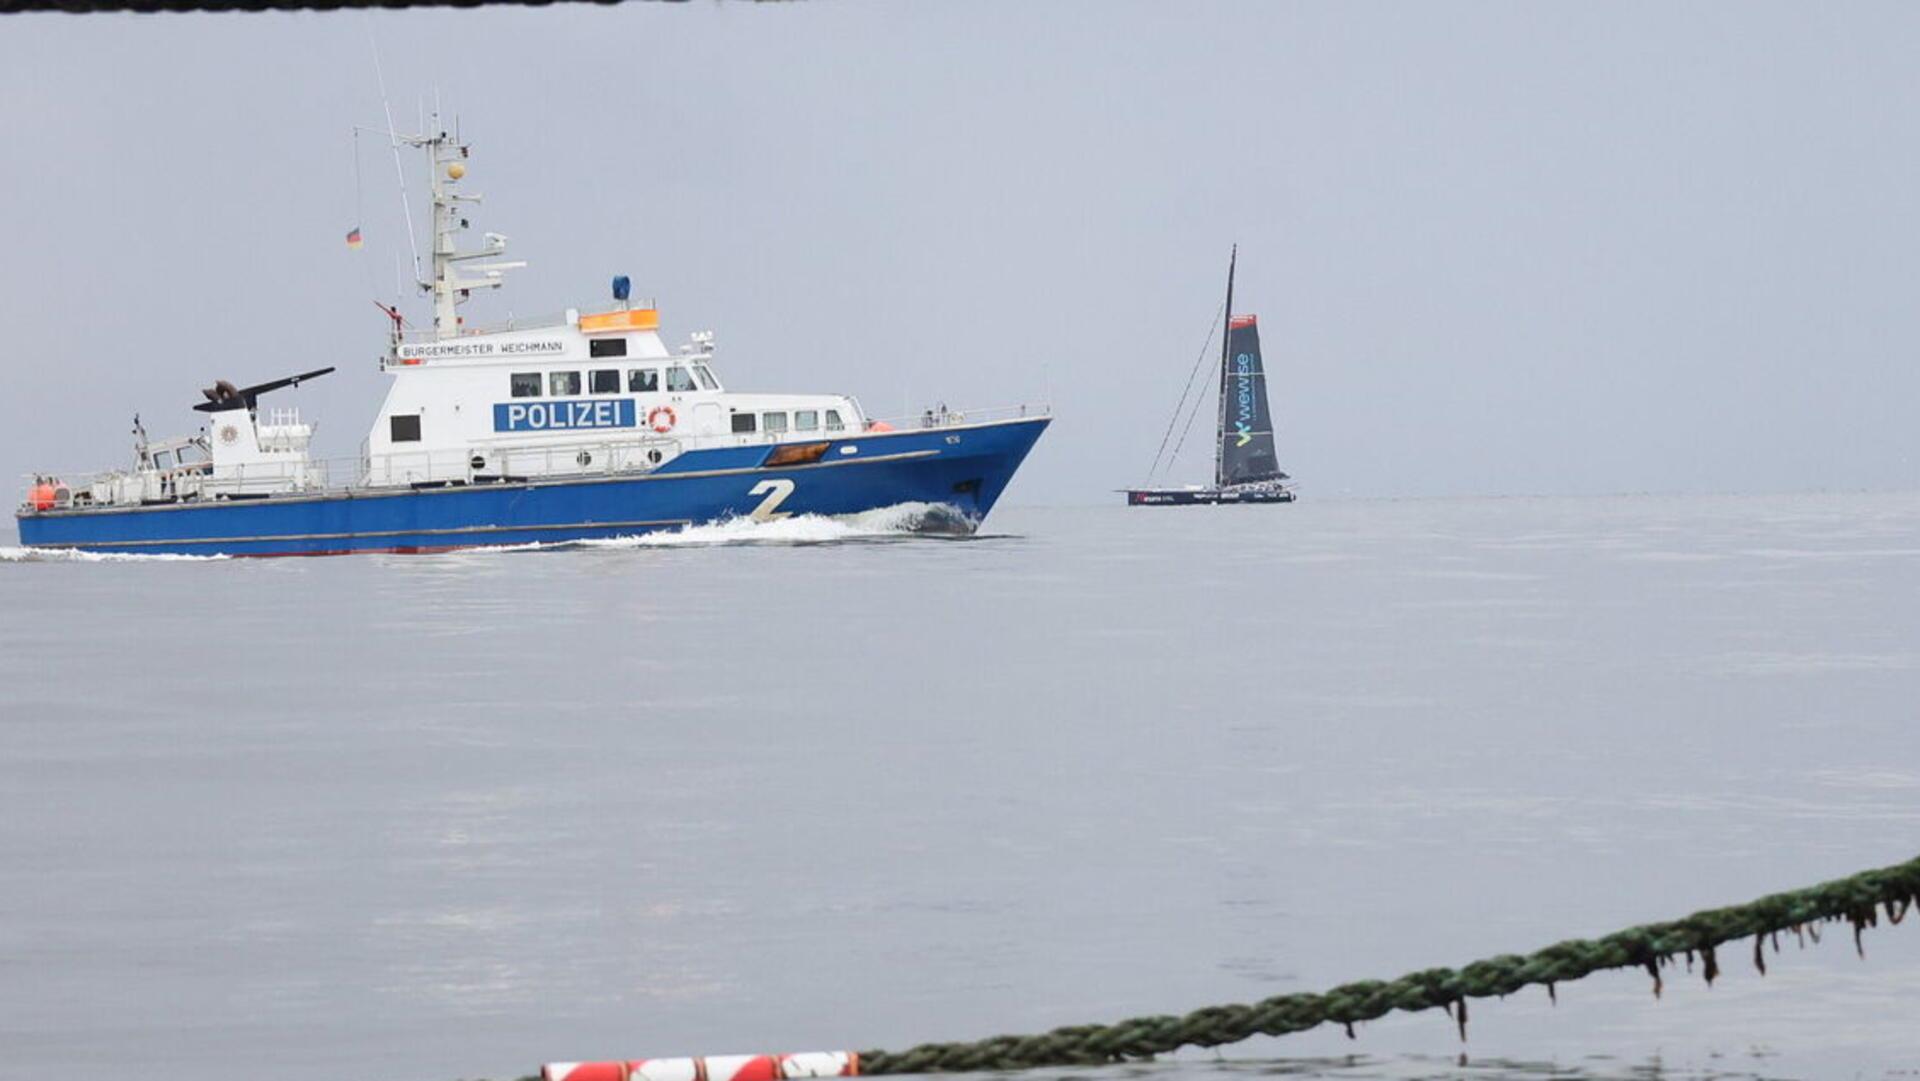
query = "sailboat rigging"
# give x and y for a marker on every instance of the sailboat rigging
(1246, 465)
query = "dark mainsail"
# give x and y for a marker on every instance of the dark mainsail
(1246, 423)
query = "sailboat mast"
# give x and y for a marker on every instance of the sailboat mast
(1220, 428)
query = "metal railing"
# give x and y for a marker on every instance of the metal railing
(954, 418)
(543, 321)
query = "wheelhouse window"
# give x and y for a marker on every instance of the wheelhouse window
(604, 381)
(774, 422)
(707, 381)
(678, 380)
(404, 428)
(607, 347)
(743, 422)
(526, 384)
(163, 459)
(806, 420)
(561, 384)
(834, 423)
(643, 380)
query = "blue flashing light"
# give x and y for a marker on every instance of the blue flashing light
(622, 287)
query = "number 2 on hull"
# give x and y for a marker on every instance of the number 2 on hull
(776, 492)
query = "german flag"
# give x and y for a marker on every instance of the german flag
(353, 238)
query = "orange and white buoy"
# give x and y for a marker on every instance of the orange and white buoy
(710, 1068)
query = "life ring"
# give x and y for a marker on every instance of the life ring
(661, 419)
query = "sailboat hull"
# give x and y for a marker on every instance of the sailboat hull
(1195, 497)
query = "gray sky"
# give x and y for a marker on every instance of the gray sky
(1495, 248)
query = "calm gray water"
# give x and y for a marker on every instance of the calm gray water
(813, 786)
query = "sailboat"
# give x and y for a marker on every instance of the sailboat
(1246, 468)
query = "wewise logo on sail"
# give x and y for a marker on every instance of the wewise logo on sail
(1243, 400)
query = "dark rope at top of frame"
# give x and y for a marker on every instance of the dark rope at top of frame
(89, 7)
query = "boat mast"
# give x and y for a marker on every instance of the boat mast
(446, 164)
(1220, 426)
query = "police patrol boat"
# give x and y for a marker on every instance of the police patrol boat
(1245, 466)
(582, 426)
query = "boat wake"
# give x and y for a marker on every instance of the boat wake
(11, 554)
(897, 522)
(901, 521)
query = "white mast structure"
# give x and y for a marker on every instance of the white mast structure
(446, 159)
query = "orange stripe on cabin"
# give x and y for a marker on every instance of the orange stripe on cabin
(625, 319)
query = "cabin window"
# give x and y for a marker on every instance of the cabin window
(562, 384)
(707, 381)
(190, 454)
(607, 347)
(806, 420)
(163, 459)
(834, 423)
(526, 384)
(774, 422)
(743, 422)
(643, 380)
(604, 381)
(678, 380)
(404, 428)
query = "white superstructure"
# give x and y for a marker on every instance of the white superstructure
(587, 392)
(581, 392)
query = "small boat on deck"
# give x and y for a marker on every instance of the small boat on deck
(1246, 468)
(584, 425)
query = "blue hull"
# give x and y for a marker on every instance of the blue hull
(963, 467)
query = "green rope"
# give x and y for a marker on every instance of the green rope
(1856, 900)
